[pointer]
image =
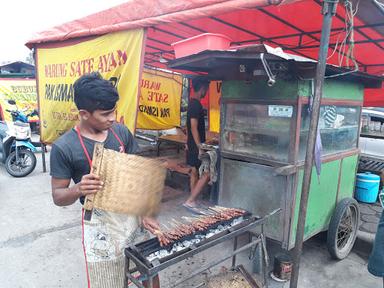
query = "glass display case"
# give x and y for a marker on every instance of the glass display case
(257, 130)
(265, 131)
(339, 128)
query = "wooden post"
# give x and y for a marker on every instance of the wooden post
(329, 9)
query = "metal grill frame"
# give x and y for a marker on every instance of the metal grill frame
(254, 241)
(374, 165)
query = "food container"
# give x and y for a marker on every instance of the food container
(364, 124)
(367, 187)
(196, 44)
(371, 126)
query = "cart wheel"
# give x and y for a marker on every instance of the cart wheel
(343, 228)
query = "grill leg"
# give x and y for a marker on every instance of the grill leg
(126, 270)
(152, 282)
(149, 283)
(234, 256)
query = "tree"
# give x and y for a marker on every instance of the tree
(30, 59)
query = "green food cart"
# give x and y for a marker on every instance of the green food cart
(265, 113)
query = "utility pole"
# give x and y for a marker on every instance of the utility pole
(328, 11)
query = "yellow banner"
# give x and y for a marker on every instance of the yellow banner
(160, 97)
(116, 56)
(23, 91)
(214, 106)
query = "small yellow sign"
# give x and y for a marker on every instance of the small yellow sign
(23, 91)
(160, 100)
(214, 106)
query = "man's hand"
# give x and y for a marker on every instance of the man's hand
(150, 224)
(64, 195)
(89, 184)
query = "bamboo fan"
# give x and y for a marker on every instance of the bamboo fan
(132, 184)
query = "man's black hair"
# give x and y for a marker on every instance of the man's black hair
(92, 92)
(199, 82)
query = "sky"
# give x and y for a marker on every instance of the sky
(21, 19)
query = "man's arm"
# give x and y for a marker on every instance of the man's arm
(64, 195)
(195, 132)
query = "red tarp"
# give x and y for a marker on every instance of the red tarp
(295, 27)
(374, 97)
(138, 14)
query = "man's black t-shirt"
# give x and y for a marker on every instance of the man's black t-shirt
(195, 110)
(68, 160)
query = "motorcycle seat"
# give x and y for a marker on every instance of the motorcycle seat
(21, 124)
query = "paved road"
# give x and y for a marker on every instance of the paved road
(40, 244)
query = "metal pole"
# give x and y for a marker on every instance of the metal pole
(43, 147)
(329, 9)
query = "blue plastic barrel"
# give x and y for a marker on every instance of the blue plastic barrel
(367, 187)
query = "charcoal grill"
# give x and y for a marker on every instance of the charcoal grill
(139, 253)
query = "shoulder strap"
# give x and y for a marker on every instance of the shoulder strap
(84, 148)
(122, 147)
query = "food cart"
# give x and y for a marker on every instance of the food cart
(265, 113)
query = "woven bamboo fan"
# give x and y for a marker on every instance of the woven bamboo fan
(132, 184)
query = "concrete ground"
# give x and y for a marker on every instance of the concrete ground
(370, 216)
(40, 244)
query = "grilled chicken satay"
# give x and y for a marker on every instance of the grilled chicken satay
(197, 224)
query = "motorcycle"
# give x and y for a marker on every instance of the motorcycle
(16, 148)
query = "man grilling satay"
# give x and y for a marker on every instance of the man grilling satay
(107, 234)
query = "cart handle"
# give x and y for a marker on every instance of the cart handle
(285, 170)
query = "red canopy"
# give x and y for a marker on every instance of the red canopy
(295, 27)
(374, 97)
